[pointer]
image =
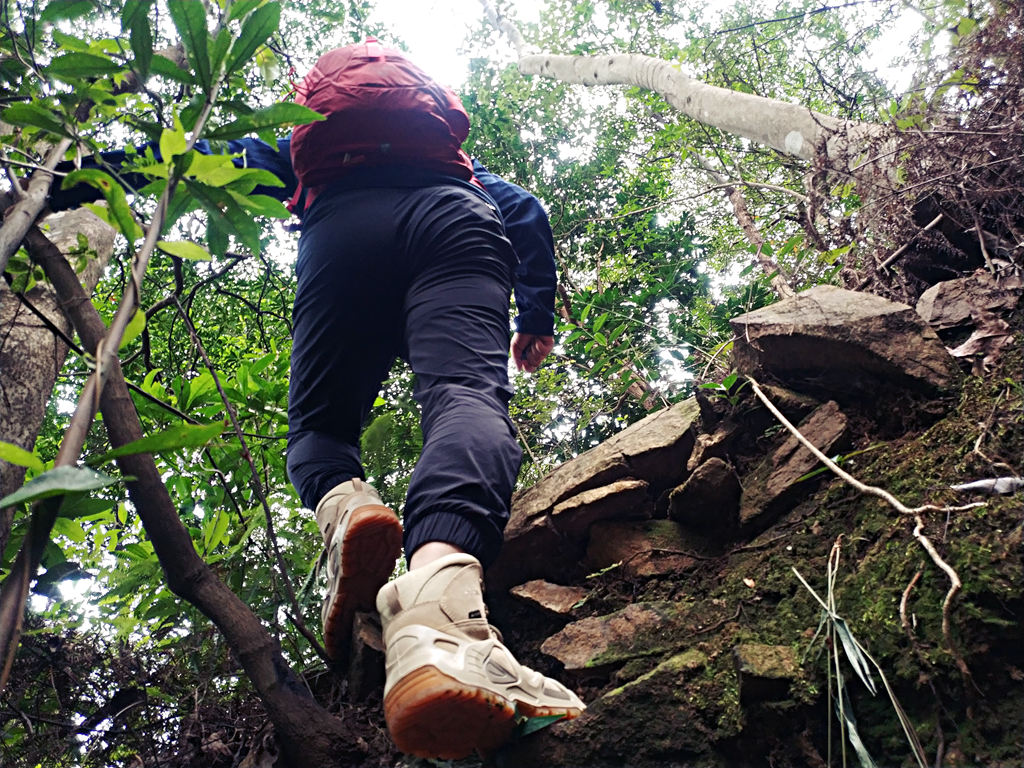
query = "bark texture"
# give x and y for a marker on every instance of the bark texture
(31, 353)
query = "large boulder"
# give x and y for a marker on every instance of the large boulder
(834, 341)
(619, 479)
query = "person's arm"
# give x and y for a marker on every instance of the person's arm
(255, 154)
(529, 231)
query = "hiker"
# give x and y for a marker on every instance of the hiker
(408, 249)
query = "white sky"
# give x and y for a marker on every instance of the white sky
(434, 30)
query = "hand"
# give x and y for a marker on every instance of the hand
(529, 350)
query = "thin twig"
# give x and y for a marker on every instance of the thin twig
(257, 486)
(904, 622)
(899, 252)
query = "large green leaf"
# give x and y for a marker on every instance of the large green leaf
(173, 141)
(257, 27)
(65, 10)
(135, 327)
(135, 21)
(113, 193)
(164, 67)
(78, 65)
(223, 209)
(184, 249)
(179, 436)
(59, 481)
(240, 8)
(32, 115)
(18, 456)
(189, 17)
(283, 113)
(262, 205)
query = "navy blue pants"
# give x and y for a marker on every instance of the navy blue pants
(423, 274)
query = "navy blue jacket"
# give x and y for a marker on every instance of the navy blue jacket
(526, 223)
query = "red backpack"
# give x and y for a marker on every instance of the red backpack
(381, 110)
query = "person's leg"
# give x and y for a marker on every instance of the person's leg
(457, 336)
(452, 686)
(347, 327)
(347, 331)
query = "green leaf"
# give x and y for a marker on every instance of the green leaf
(240, 8)
(33, 115)
(88, 507)
(966, 26)
(213, 535)
(534, 724)
(18, 456)
(845, 711)
(113, 193)
(135, 326)
(599, 323)
(283, 113)
(65, 10)
(135, 20)
(224, 211)
(853, 653)
(262, 205)
(185, 249)
(219, 50)
(257, 27)
(189, 17)
(164, 67)
(172, 141)
(72, 529)
(59, 481)
(182, 435)
(78, 65)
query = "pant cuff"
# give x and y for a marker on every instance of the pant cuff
(459, 531)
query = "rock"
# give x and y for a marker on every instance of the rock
(551, 597)
(653, 451)
(671, 669)
(772, 488)
(624, 499)
(793, 405)
(366, 659)
(950, 304)
(657, 447)
(646, 548)
(830, 340)
(714, 445)
(639, 629)
(765, 671)
(709, 500)
(664, 718)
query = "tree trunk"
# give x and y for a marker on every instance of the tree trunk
(787, 128)
(31, 354)
(308, 735)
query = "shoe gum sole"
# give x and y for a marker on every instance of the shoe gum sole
(432, 715)
(371, 546)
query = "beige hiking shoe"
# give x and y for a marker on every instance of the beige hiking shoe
(452, 686)
(363, 540)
